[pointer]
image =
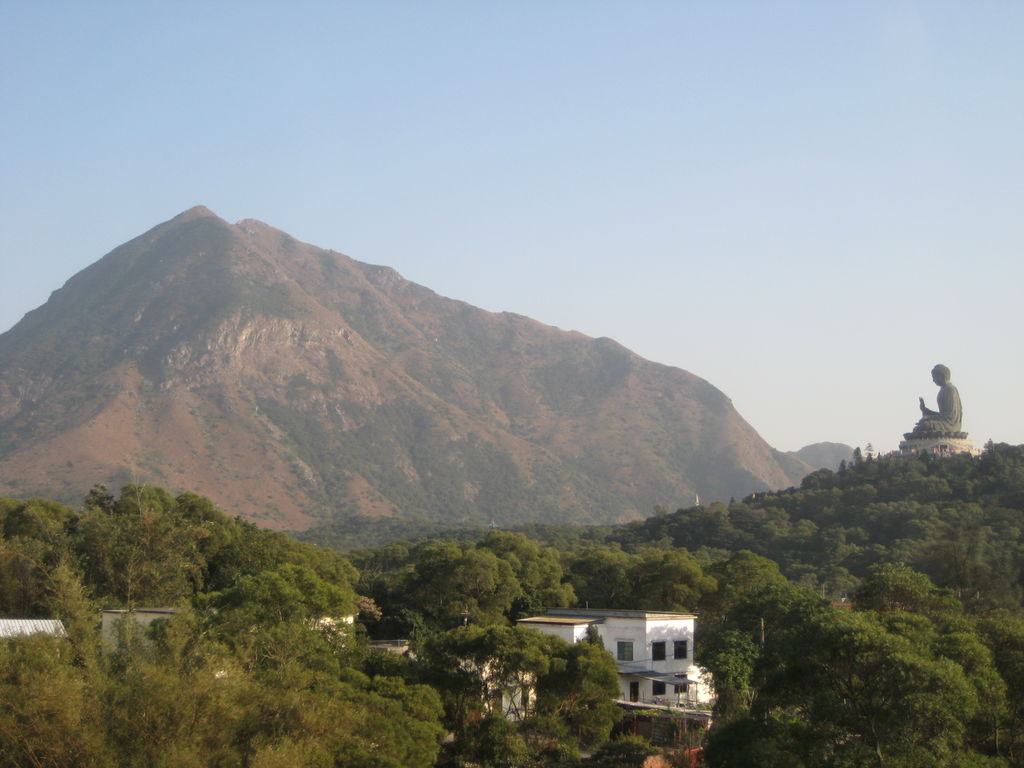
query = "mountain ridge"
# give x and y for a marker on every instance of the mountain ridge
(823, 455)
(295, 384)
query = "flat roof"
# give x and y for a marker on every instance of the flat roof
(140, 610)
(565, 620)
(622, 613)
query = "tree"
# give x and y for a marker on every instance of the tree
(180, 700)
(137, 550)
(859, 689)
(480, 669)
(449, 584)
(600, 575)
(46, 712)
(627, 752)
(1003, 635)
(738, 580)
(557, 690)
(668, 580)
(892, 587)
(537, 570)
(732, 655)
(283, 617)
(578, 688)
(33, 542)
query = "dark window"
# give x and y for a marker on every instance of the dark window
(681, 688)
(658, 688)
(634, 691)
(679, 649)
(658, 651)
(624, 650)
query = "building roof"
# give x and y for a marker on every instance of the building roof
(21, 627)
(167, 611)
(618, 613)
(565, 620)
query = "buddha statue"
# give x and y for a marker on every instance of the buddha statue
(944, 422)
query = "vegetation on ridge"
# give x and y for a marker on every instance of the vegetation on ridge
(921, 666)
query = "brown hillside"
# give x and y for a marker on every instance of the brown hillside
(294, 385)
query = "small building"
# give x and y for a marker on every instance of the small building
(114, 630)
(23, 627)
(332, 623)
(653, 651)
(398, 647)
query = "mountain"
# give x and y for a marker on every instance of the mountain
(823, 455)
(294, 385)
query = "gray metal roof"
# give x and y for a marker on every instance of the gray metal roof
(20, 627)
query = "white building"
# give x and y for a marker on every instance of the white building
(653, 650)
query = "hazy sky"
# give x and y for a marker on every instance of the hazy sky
(809, 204)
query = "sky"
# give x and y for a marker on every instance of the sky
(807, 204)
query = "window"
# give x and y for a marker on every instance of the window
(680, 688)
(679, 649)
(624, 650)
(658, 688)
(658, 651)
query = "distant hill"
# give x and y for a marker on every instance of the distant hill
(823, 455)
(296, 386)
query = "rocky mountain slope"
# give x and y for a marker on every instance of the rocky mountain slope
(294, 385)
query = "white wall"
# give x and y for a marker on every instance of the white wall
(642, 633)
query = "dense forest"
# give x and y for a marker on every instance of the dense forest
(871, 617)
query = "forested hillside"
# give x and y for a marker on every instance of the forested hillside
(958, 519)
(921, 665)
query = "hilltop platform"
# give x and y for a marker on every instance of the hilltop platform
(942, 445)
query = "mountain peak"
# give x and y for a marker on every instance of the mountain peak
(291, 385)
(195, 212)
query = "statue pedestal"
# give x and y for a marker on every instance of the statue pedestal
(956, 442)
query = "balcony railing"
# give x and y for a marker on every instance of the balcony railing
(669, 703)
